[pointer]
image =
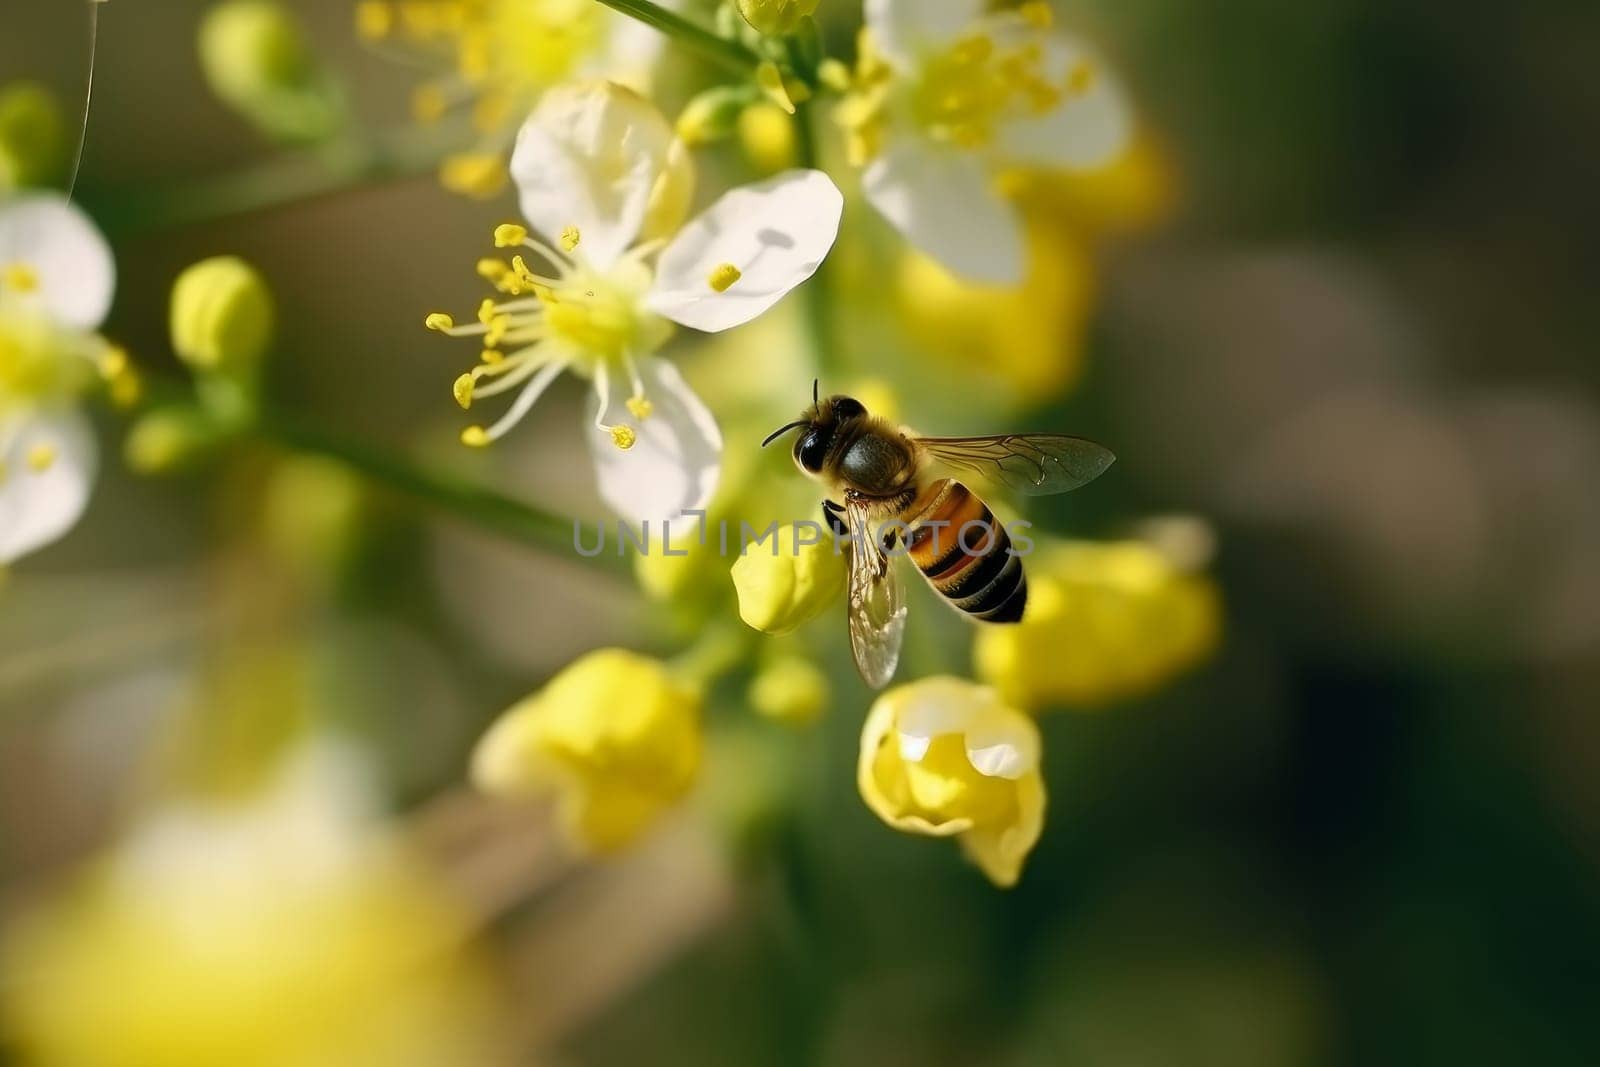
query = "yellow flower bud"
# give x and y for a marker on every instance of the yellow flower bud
(614, 737)
(712, 115)
(778, 593)
(168, 440)
(33, 137)
(767, 134)
(776, 17)
(1104, 622)
(945, 757)
(790, 690)
(221, 316)
(255, 58)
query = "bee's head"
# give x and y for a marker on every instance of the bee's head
(818, 427)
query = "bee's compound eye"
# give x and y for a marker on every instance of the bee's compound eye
(812, 451)
(847, 407)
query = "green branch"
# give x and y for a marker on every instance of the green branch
(482, 506)
(730, 54)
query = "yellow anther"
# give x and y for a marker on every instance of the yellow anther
(475, 437)
(486, 312)
(41, 458)
(1081, 78)
(113, 363)
(1037, 14)
(476, 174)
(492, 270)
(463, 390)
(834, 75)
(374, 20)
(20, 277)
(724, 276)
(623, 437)
(570, 238)
(490, 356)
(509, 235)
(641, 407)
(439, 321)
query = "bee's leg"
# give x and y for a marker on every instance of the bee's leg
(833, 515)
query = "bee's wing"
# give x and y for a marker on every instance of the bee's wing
(1035, 464)
(877, 603)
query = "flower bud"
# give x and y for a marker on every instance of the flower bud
(766, 132)
(776, 17)
(944, 757)
(712, 115)
(33, 137)
(169, 440)
(255, 58)
(615, 737)
(221, 316)
(790, 690)
(780, 592)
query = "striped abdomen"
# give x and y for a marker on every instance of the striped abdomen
(965, 553)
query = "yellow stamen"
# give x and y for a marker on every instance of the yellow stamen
(439, 321)
(475, 437)
(493, 270)
(463, 390)
(1081, 78)
(490, 356)
(724, 276)
(19, 276)
(486, 312)
(623, 437)
(428, 103)
(41, 458)
(509, 235)
(641, 407)
(570, 238)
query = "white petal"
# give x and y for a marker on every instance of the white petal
(590, 156)
(943, 202)
(38, 507)
(904, 28)
(61, 245)
(674, 465)
(1088, 130)
(776, 232)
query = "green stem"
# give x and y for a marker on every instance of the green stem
(482, 506)
(336, 167)
(818, 291)
(730, 54)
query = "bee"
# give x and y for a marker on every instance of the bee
(897, 490)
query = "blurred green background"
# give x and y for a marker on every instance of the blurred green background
(1362, 348)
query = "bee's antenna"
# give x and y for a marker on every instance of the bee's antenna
(780, 432)
(815, 383)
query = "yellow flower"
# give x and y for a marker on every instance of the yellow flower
(615, 737)
(947, 758)
(278, 927)
(1105, 621)
(787, 583)
(505, 54)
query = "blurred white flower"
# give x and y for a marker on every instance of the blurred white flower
(602, 176)
(947, 98)
(56, 281)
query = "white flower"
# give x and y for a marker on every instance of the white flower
(56, 281)
(947, 98)
(603, 178)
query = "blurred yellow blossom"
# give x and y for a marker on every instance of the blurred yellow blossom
(790, 689)
(256, 60)
(766, 132)
(1104, 621)
(276, 928)
(947, 758)
(504, 55)
(615, 737)
(33, 137)
(221, 315)
(785, 583)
